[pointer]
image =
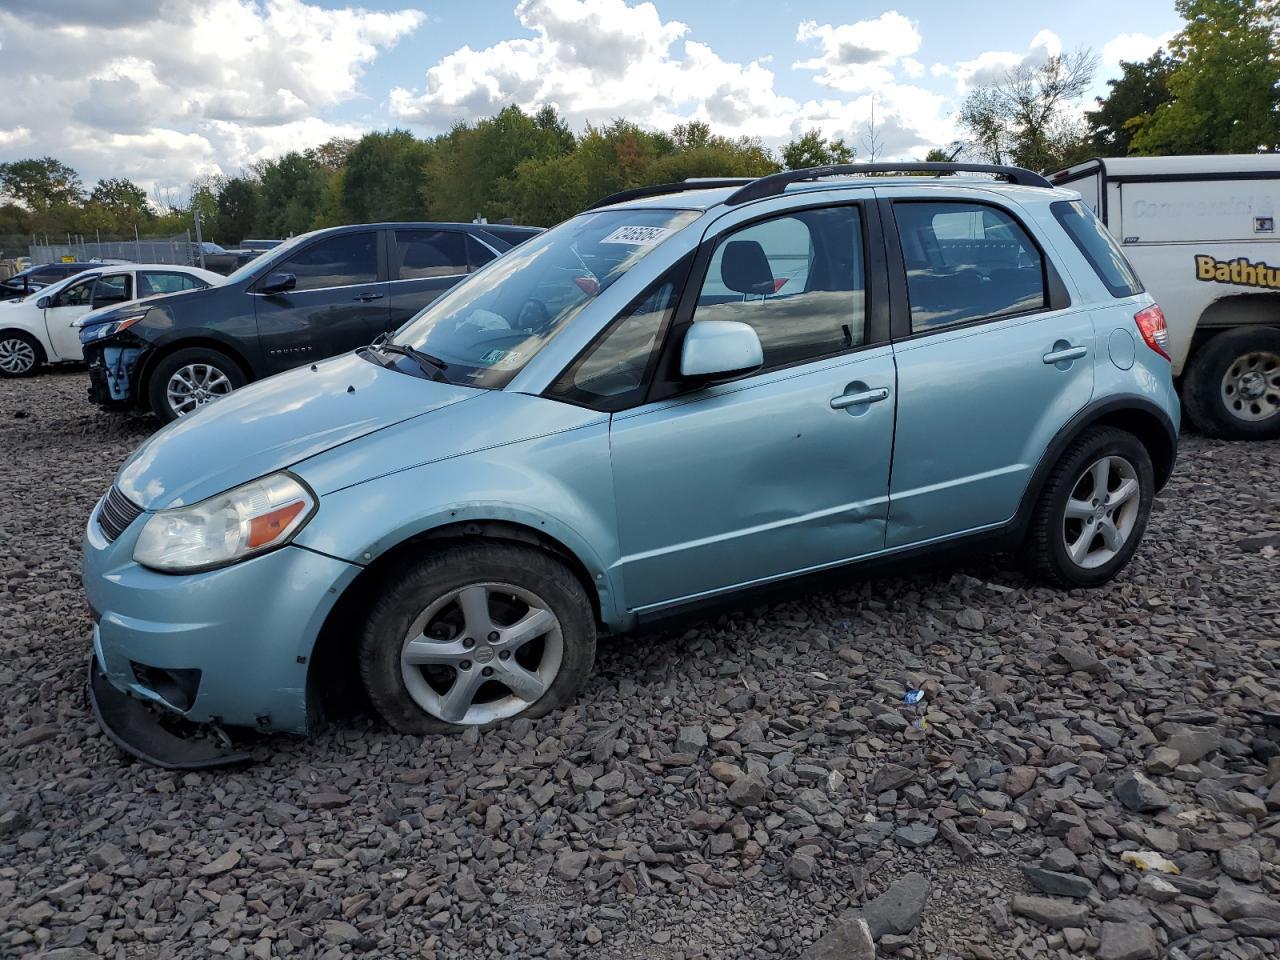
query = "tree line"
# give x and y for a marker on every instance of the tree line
(1215, 90)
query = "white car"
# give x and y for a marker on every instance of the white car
(43, 327)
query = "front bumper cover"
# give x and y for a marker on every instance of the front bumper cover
(139, 730)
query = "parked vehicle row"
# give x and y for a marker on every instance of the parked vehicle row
(1201, 232)
(44, 326)
(675, 397)
(314, 296)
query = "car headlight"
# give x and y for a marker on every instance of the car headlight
(98, 331)
(239, 523)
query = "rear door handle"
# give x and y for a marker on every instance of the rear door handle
(1060, 356)
(366, 297)
(858, 399)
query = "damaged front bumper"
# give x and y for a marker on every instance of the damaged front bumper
(140, 730)
(113, 368)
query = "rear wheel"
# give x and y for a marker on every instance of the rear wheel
(20, 354)
(474, 635)
(1093, 509)
(189, 379)
(1232, 386)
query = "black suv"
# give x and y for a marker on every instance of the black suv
(312, 297)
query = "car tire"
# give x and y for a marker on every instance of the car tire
(1232, 386)
(20, 354)
(1064, 547)
(425, 673)
(207, 373)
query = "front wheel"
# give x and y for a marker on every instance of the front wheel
(20, 354)
(1093, 509)
(189, 379)
(476, 634)
(1232, 386)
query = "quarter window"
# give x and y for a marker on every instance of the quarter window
(1095, 244)
(612, 374)
(422, 254)
(342, 261)
(966, 262)
(798, 280)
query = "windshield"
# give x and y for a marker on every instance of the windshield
(487, 328)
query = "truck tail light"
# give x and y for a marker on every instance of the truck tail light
(1153, 329)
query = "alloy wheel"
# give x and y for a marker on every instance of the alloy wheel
(1101, 511)
(1251, 386)
(195, 385)
(481, 653)
(17, 356)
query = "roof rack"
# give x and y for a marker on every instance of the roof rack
(775, 183)
(657, 190)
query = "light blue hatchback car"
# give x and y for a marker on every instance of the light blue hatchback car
(684, 393)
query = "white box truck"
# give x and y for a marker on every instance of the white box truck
(1201, 233)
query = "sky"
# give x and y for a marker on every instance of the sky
(162, 91)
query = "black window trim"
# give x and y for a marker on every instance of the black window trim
(667, 382)
(678, 273)
(1058, 298)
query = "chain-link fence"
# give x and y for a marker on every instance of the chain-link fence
(172, 249)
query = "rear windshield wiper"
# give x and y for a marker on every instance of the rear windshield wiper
(433, 367)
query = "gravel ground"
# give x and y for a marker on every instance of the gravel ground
(742, 788)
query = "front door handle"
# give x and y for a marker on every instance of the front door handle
(1065, 355)
(858, 399)
(366, 297)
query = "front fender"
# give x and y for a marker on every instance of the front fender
(558, 486)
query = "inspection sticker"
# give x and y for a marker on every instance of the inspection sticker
(637, 236)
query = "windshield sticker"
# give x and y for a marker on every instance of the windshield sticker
(637, 236)
(502, 358)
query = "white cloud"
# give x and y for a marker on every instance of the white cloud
(1132, 47)
(162, 90)
(858, 56)
(991, 65)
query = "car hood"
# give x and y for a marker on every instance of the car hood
(273, 424)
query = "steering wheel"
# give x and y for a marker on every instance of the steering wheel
(533, 316)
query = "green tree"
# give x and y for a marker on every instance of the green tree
(814, 150)
(237, 209)
(40, 184)
(121, 197)
(1141, 88)
(382, 176)
(1225, 89)
(471, 169)
(290, 197)
(1026, 117)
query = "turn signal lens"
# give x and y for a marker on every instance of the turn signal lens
(269, 527)
(1153, 329)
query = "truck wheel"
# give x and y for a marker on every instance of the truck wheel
(1092, 511)
(20, 354)
(1232, 386)
(188, 379)
(474, 635)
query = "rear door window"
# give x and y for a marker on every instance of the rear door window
(424, 254)
(346, 260)
(967, 262)
(1098, 247)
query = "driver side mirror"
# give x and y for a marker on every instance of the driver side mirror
(719, 350)
(278, 283)
(44, 303)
